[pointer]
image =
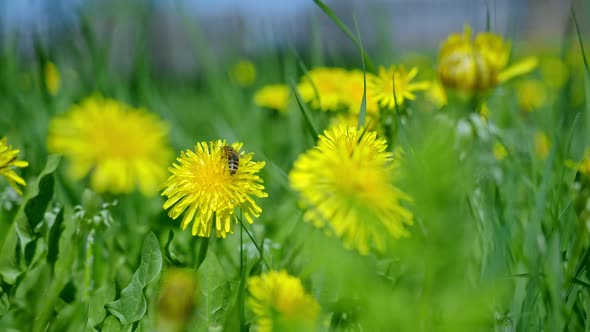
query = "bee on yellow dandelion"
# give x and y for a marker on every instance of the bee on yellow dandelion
(279, 303)
(346, 185)
(393, 86)
(322, 87)
(274, 96)
(479, 64)
(209, 183)
(9, 160)
(122, 147)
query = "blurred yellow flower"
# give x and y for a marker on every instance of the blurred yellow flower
(554, 72)
(274, 96)
(322, 87)
(437, 94)
(346, 186)
(52, 78)
(542, 145)
(203, 185)
(531, 94)
(9, 160)
(243, 73)
(121, 146)
(499, 151)
(352, 93)
(177, 299)
(279, 303)
(479, 64)
(381, 87)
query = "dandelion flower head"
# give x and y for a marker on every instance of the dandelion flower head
(346, 186)
(274, 96)
(278, 299)
(9, 160)
(121, 146)
(478, 64)
(393, 86)
(322, 87)
(469, 65)
(203, 188)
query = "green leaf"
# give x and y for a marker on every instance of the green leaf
(215, 292)
(53, 242)
(21, 232)
(39, 194)
(170, 256)
(151, 260)
(132, 304)
(111, 324)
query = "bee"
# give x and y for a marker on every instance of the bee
(233, 159)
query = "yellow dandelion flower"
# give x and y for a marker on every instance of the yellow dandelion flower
(381, 87)
(346, 186)
(243, 73)
(121, 146)
(352, 93)
(8, 160)
(279, 303)
(203, 184)
(52, 78)
(542, 145)
(322, 87)
(499, 151)
(274, 96)
(531, 94)
(479, 64)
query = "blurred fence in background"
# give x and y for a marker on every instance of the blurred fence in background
(247, 27)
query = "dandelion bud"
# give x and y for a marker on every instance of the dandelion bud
(468, 65)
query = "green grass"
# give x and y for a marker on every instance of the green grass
(496, 245)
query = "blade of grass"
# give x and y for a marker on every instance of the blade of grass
(586, 69)
(258, 247)
(346, 31)
(309, 124)
(363, 110)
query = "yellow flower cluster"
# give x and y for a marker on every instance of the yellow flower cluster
(337, 89)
